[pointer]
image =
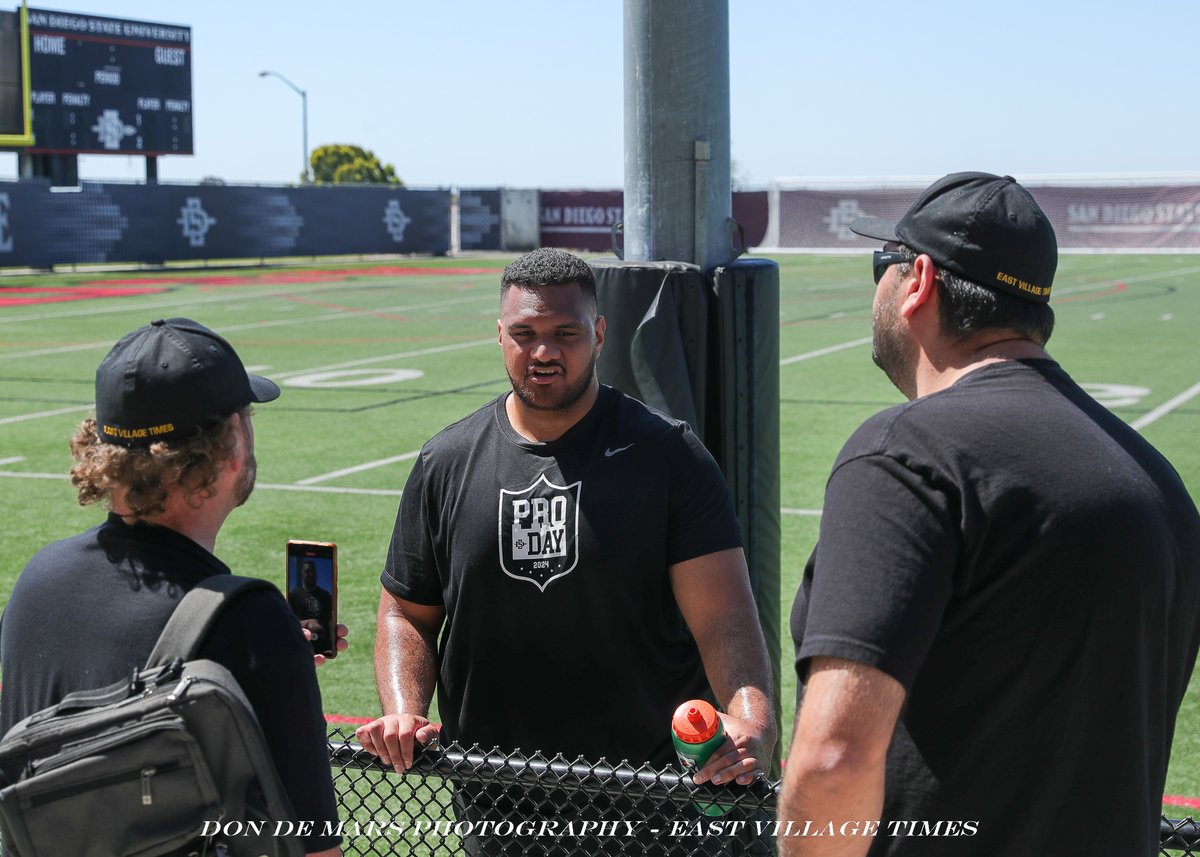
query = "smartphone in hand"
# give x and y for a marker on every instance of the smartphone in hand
(311, 587)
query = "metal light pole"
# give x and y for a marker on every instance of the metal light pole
(304, 103)
(677, 187)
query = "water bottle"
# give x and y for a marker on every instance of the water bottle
(697, 732)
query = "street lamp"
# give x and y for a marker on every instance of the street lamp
(304, 102)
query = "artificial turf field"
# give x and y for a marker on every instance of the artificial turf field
(374, 358)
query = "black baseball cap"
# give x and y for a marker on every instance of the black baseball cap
(171, 379)
(985, 228)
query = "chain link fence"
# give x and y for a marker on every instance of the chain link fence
(455, 801)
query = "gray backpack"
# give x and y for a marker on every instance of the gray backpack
(168, 761)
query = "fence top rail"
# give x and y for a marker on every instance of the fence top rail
(475, 765)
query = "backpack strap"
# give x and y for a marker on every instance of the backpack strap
(195, 614)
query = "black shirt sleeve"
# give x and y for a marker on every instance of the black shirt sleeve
(882, 571)
(701, 515)
(411, 571)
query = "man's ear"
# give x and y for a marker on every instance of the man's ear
(235, 459)
(600, 326)
(918, 287)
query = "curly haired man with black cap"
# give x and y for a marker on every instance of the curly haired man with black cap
(998, 623)
(171, 452)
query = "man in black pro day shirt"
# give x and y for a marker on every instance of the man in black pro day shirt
(171, 451)
(998, 623)
(579, 557)
(312, 605)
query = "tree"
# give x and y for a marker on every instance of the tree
(342, 164)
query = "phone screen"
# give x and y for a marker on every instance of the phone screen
(311, 588)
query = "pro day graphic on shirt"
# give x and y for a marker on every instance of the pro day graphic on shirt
(539, 531)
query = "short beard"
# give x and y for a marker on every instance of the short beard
(888, 348)
(568, 398)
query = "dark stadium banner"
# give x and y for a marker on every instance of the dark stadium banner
(580, 219)
(156, 223)
(583, 219)
(1136, 218)
(479, 219)
(750, 210)
(108, 85)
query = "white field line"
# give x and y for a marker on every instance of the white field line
(14, 459)
(1144, 278)
(280, 376)
(176, 299)
(1165, 408)
(257, 325)
(283, 376)
(40, 414)
(109, 308)
(1092, 287)
(330, 489)
(316, 489)
(64, 349)
(180, 300)
(854, 343)
(322, 489)
(358, 468)
(401, 355)
(58, 349)
(342, 313)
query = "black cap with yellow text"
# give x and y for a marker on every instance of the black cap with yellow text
(985, 228)
(171, 379)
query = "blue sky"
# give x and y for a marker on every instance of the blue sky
(528, 93)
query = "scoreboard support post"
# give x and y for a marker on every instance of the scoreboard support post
(21, 131)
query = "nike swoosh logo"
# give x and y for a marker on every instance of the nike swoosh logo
(609, 453)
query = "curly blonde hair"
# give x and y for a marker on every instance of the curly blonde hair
(148, 474)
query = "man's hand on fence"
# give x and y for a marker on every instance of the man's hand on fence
(745, 755)
(392, 737)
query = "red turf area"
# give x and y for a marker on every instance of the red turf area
(118, 287)
(271, 278)
(24, 295)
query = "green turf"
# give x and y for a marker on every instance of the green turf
(1123, 320)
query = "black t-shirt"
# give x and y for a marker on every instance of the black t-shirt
(315, 603)
(87, 610)
(562, 633)
(1028, 567)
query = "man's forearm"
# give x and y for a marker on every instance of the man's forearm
(405, 664)
(834, 778)
(735, 661)
(844, 805)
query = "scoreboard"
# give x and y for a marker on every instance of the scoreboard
(109, 86)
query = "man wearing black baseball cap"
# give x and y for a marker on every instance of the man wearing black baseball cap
(1000, 618)
(171, 452)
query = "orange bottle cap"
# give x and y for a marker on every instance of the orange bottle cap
(695, 721)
